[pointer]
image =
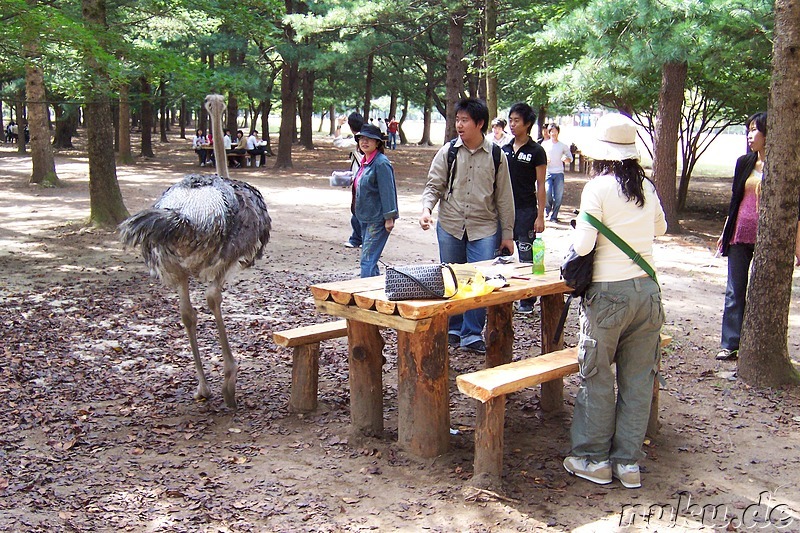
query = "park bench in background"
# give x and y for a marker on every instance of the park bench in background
(490, 387)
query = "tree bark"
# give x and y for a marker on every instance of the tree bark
(368, 86)
(147, 118)
(162, 111)
(490, 36)
(106, 206)
(665, 139)
(125, 155)
(454, 83)
(307, 110)
(288, 116)
(44, 166)
(428, 106)
(763, 352)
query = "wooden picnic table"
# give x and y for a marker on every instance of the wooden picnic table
(422, 351)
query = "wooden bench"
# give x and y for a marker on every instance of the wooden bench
(305, 360)
(241, 158)
(491, 385)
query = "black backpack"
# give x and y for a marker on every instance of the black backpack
(451, 162)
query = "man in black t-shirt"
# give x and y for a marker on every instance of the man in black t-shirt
(527, 164)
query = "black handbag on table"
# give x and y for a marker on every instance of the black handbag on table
(417, 282)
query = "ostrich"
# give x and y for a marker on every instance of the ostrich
(203, 227)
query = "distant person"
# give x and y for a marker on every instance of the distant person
(383, 128)
(199, 142)
(355, 121)
(738, 238)
(499, 135)
(621, 312)
(527, 162)
(476, 208)
(544, 134)
(558, 153)
(376, 198)
(393, 128)
(256, 148)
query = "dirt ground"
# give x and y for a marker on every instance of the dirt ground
(100, 431)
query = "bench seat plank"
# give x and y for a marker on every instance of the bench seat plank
(310, 334)
(512, 377)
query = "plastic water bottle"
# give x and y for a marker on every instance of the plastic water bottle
(538, 256)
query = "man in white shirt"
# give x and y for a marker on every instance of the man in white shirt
(558, 153)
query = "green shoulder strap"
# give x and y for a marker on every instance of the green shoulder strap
(622, 245)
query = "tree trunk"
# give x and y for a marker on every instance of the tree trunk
(455, 69)
(307, 110)
(22, 121)
(665, 142)
(393, 95)
(368, 87)
(288, 116)
(183, 120)
(332, 114)
(106, 206)
(428, 106)
(162, 109)
(490, 37)
(266, 106)
(400, 132)
(763, 352)
(44, 166)
(147, 118)
(125, 155)
(66, 124)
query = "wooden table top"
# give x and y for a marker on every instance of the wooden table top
(368, 294)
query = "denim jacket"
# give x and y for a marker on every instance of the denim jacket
(376, 195)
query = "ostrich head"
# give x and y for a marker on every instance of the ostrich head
(215, 105)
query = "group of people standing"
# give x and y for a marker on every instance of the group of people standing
(203, 146)
(489, 204)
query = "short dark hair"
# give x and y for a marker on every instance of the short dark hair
(499, 122)
(525, 112)
(355, 121)
(554, 126)
(477, 111)
(760, 120)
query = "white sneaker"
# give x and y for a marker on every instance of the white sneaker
(596, 472)
(628, 475)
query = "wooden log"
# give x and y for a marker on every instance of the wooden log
(489, 424)
(371, 317)
(305, 378)
(310, 334)
(422, 394)
(552, 394)
(499, 334)
(365, 357)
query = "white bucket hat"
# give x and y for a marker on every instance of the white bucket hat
(614, 139)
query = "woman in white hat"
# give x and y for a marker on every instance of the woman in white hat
(621, 311)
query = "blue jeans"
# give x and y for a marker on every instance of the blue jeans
(554, 186)
(355, 237)
(469, 326)
(739, 259)
(393, 141)
(375, 237)
(620, 326)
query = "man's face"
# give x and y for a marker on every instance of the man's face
(554, 134)
(517, 125)
(467, 129)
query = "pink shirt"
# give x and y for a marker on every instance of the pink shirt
(747, 219)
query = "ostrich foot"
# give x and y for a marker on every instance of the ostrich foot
(202, 393)
(229, 395)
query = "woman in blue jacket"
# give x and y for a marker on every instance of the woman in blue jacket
(376, 198)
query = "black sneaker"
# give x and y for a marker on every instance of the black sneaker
(453, 340)
(477, 347)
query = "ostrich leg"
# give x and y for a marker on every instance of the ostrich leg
(214, 299)
(189, 319)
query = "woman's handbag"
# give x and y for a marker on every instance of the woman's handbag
(416, 282)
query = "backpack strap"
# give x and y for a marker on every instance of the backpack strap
(621, 244)
(452, 152)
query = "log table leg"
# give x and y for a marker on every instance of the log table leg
(365, 359)
(552, 398)
(305, 378)
(423, 423)
(499, 334)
